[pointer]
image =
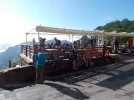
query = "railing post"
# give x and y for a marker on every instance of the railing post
(35, 49)
(9, 63)
(29, 52)
(26, 50)
(104, 50)
(21, 48)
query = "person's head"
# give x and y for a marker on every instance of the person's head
(40, 50)
(55, 38)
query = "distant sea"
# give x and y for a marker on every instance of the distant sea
(1, 65)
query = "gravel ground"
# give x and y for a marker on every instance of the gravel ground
(114, 82)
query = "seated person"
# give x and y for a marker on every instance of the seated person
(123, 50)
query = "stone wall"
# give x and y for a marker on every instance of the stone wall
(27, 72)
(17, 74)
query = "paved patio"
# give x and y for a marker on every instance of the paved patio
(113, 82)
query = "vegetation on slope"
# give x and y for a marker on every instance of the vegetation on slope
(15, 61)
(10, 54)
(118, 26)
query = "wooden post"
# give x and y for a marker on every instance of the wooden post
(26, 37)
(104, 50)
(9, 63)
(26, 49)
(35, 49)
(29, 52)
(21, 48)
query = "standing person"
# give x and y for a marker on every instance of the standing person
(40, 64)
(130, 43)
(52, 44)
(103, 42)
(112, 45)
(112, 42)
(74, 56)
(91, 41)
(116, 45)
(87, 57)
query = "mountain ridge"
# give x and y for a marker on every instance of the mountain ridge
(4, 46)
(13, 51)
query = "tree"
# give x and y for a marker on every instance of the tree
(15, 61)
(14, 64)
(119, 26)
(99, 28)
(85, 40)
(3, 67)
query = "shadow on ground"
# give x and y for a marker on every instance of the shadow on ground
(115, 82)
(118, 81)
(72, 92)
(14, 86)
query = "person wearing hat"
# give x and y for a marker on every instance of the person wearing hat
(40, 64)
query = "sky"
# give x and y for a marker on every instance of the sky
(19, 16)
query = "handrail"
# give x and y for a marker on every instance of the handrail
(30, 50)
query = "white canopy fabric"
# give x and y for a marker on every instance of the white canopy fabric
(118, 34)
(64, 31)
(79, 32)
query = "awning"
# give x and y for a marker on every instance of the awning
(64, 31)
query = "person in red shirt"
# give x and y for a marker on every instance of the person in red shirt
(130, 44)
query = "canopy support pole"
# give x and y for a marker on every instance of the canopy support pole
(102, 36)
(26, 38)
(38, 36)
(72, 38)
(69, 38)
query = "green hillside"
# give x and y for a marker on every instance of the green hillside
(119, 26)
(124, 25)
